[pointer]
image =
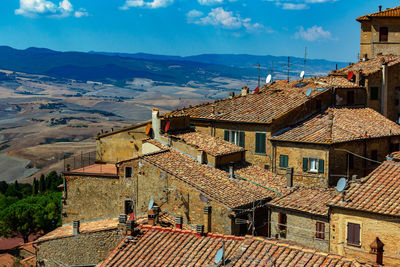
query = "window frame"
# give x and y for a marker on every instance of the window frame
(125, 172)
(282, 224)
(319, 166)
(383, 34)
(348, 235)
(285, 163)
(235, 137)
(320, 230)
(316, 165)
(264, 152)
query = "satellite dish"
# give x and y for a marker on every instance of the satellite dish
(269, 78)
(151, 203)
(219, 255)
(341, 185)
(302, 73)
(309, 91)
(204, 198)
(350, 76)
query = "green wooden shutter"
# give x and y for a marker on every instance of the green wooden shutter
(226, 135)
(241, 139)
(257, 143)
(321, 166)
(305, 164)
(283, 161)
(260, 143)
(263, 136)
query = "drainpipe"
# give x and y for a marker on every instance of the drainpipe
(384, 91)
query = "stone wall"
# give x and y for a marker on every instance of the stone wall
(176, 197)
(89, 197)
(87, 248)
(301, 228)
(386, 228)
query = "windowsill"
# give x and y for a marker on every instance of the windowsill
(354, 245)
(283, 168)
(312, 171)
(320, 239)
(260, 154)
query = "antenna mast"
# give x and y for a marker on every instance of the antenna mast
(305, 58)
(259, 74)
(288, 69)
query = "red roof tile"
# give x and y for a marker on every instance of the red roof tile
(379, 192)
(273, 101)
(390, 12)
(309, 200)
(336, 125)
(369, 66)
(160, 247)
(209, 144)
(213, 183)
(97, 169)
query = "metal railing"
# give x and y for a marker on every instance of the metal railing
(79, 161)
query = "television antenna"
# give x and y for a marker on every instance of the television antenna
(259, 72)
(151, 204)
(288, 65)
(305, 59)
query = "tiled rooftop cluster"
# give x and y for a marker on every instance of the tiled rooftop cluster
(209, 144)
(165, 220)
(390, 12)
(369, 66)
(214, 183)
(337, 125)
(379, 192)
(309, 200)
(158, 246)
(271, 102)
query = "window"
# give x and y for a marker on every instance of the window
(283, 161)
(128, 206)
(260, 143)
(282, 221)
(350, 97)
(128, 172)
(374, 155)
(350, 159)
(320, 230)
(234, 137)
(313, 165)
(383, 34)
(374, 93)
(353, 234)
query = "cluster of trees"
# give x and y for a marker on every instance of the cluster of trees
(27, 209)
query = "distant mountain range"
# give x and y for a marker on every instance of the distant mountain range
(119, 67)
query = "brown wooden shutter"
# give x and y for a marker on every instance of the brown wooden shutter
(320, 230)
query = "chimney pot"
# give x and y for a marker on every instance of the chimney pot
(200, 229)
(75, 226)
(231, 94)
(231, 170)
(178, 222)
(122, 218)
(151, 217)
(245, 90)
(380, 8)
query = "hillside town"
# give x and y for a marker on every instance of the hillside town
(294, 173)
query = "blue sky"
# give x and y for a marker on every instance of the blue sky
(188, 27)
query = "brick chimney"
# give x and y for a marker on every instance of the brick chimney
(178, 222)
(377, 248)
(151, 217)
(231, 95)
(156, 123)
(289, 177)
(200, 156)
(380, 8)
(231, 170)
(245, 90)
(75, 227)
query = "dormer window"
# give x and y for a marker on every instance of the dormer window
(383, 34)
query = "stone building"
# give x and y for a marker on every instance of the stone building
(159, 246)
(380, 33)
(365, 219)
(83, 244)
(302, 216)
(332, 144)
(250, 119)
(186, 187)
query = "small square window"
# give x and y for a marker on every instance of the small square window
(383, 34)
(283, 161)
(128, 172)
(353, 234)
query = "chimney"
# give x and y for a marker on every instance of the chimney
(289, 177)
(157, 211)
(245, 90)
(384, 90)
(156, 123)
(377, 248)
(75, 227)
(200, 229)
(122, 218)
(207, 218)
(200, 156)
(380, 8)
(365, 57)
(151, 217)
(231, 171)
(231, 95)
(178, 222)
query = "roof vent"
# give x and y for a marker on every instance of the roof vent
(75, 226)
(200, 229)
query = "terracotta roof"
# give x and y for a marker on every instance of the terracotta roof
(270, 103)
(209, 144)
(165, 219)
(157, 246)
(97, 169)
(395, 155)
(213, 183)
(7, 259)
(369, 66)
(379, 192)
(389, 12)
(309, 200)
(85, 227)
(336, 125)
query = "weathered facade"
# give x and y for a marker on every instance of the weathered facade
(92, 244)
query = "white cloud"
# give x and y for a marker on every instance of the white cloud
(291, 6)
(210, 2)
(298, 4)
(219, 17)
(146, 4)
(34, 8)
(313, 34)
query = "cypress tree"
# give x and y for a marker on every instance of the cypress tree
(35, 186)
(42, 184)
